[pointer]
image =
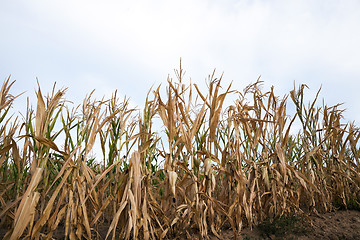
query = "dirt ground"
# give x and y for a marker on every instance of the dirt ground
(334, 225)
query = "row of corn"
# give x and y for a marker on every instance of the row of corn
(184, 163)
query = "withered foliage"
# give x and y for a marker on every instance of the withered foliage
(206, 167)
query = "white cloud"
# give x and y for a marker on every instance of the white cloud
(131, 45)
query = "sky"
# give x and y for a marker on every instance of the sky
(134, 45)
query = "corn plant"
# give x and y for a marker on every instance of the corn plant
(104, 170)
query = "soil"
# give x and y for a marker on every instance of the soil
(333, 225)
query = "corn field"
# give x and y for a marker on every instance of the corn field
(205, 168)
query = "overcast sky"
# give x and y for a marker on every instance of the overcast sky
(133, 45)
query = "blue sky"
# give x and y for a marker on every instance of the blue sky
(133, 45)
